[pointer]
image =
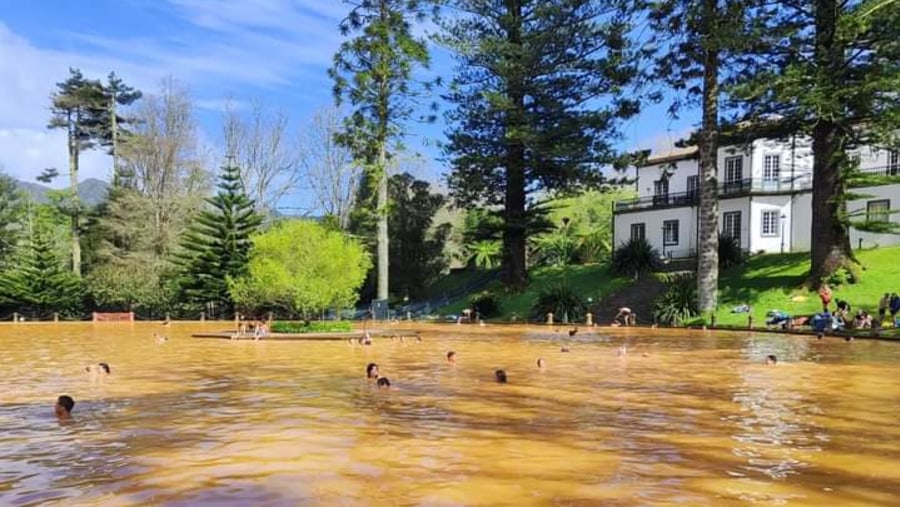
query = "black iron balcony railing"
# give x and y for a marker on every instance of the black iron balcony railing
(745, 187)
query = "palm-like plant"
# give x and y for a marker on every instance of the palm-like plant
(485, 254)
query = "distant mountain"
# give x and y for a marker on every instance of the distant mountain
(91, 191)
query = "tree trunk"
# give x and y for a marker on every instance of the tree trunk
(515, 274)
(73, 184)
(708, 236)
(383, 240)
(114, 127)
(830, 234)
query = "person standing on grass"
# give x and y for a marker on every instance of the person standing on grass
(883, 304)
(825, 296)
(895, 307)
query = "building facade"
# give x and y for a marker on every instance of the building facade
(765, 198)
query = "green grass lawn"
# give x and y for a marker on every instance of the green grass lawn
(775, 282)
(592, 281)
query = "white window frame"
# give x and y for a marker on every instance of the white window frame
(728, 225)
(893, 162)
(884, 215)
(670, 231)
(695, 188)
(734, 166)
(638, 226)
(774, 223)
(772, 168)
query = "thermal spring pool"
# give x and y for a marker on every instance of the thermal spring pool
(685, 417)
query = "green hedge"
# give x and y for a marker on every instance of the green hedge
(326, 326)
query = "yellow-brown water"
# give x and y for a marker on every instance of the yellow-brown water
(698, 420)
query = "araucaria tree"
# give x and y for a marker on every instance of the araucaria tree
(78, 106)
(536, 104)
(829, 69)
(217, 246)
(691, 38)
(374, 73)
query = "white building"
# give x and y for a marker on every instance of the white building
(765, 198)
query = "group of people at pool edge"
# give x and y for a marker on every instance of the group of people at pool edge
(842, 317)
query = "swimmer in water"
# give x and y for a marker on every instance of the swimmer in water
(63, 407)
(564, 349)
(771, 360)
(451, 357)
(622, 351)
(384, 382)
(500, 375)
(98, 368)
(541, 363)
(372, 371)
(573, 332)
(160, 339)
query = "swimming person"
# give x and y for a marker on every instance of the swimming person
(451, 357)
(564, 349)
(771, 359)
(501, 376)
(622, 351)
(160, 339)
(98, 368)
(372, 371)
(541, 363)
(384, 382)
(63, 407)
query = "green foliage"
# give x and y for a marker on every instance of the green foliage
(315, 326)
(38, 281)
(485, 254)
(562, 301)
(635, 258)
(217, 246)
(679, 303)
(12, 213)
(730, 253)
(302, 267)
(485, 303)
(529, 115)
(135, 282)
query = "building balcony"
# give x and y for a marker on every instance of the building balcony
(870, 176)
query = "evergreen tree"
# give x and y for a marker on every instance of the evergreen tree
(38, 282)
(77, 106)
(537, 105)
(217, 245)
(831, 70)
(117, 94)
(12, 210)
(692, 38)
(374, 73)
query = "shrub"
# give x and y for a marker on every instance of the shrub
(730, 253)
(636, 257)
(317, 326)
(678, 303)
(842, 276)
(562, 301)
(485, 304)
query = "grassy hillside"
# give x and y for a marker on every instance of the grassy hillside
(593, 281)
(775, 282)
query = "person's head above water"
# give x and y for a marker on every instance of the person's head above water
(451, 357)
(372, 370)
(541, 363)
(98, 368)
(104, 367)
(384, 382)
(771, 359)
(501, 376)
(64, 406)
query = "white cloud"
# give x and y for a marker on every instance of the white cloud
(227, 45)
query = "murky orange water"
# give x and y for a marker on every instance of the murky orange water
(698, 421)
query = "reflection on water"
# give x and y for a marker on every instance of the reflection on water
(683, 418)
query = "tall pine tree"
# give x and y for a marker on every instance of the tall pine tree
(374, 73)
(537, 104)
(77, 106)
(217, 246)
(829, 69)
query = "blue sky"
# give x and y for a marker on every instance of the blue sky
(272, 51)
